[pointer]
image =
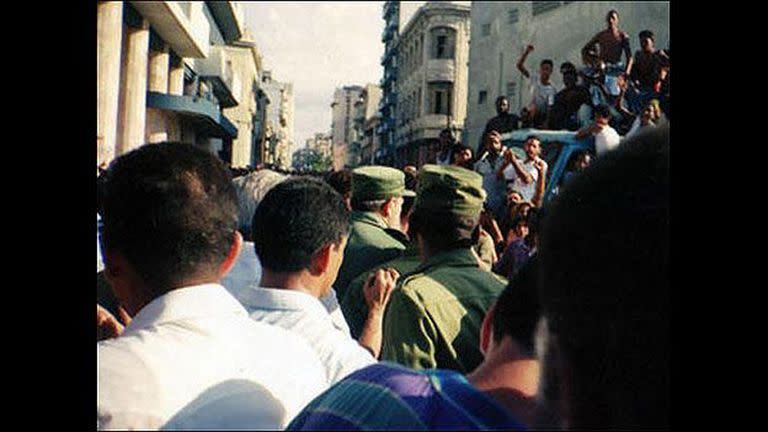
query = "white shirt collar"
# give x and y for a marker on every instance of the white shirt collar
(283, 299)
(187, 303)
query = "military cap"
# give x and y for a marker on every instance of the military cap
(450, 189)
(371, 183)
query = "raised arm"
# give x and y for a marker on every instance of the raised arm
(519, 170)
(521, 61)
(541, 182)
(627, 53)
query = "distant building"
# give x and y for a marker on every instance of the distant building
(433, 52)
(501, 30)
(387, 105)
(366, 120)
(342, 123)
(278, 130)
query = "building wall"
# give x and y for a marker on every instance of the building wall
(279, 120)
(493, 56)
(244, 66)
(420, 72)
(342, 122)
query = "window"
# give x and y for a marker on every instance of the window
(440, 97)
(482, 97)
(486, 30)
(512, 16)
(443, 42)
(511, 88)
(539, 7)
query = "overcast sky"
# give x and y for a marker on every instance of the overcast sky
(319, 46)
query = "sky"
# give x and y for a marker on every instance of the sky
(319, 46)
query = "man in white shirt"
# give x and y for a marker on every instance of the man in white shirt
(606, 137)
(301, 254)
(523, 177)
(191, 357)
(543, 91)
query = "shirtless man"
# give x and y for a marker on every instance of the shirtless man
(611, 42)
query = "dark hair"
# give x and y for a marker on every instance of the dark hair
(602, 110)
(499, 99)
(297, 218)
(517, 310)
(547, 62)
(567, 67)
(340, 181)
(646, 34)
(459, 148)
(535, 137)
(611, 322)
(171, 210)
(611, 12)
(452, 232)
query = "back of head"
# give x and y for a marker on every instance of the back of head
(605, 286)
(251, 189)
(453, 196)
(602, 110)
(294, 220)
(517, 310)
(340, 181)
(171, 210)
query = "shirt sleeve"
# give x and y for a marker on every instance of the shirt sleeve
(409, 334)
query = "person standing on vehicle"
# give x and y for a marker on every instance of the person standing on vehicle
(610, 43)
(543, 91)
(649, 70)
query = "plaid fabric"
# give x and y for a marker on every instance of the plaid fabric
(389, 396)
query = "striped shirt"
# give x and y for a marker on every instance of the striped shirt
(390, 396)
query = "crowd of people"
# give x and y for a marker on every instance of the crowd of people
(447, 296)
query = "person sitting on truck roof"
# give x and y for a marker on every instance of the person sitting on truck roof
(573, 105)
(542, 89)
(606, 137)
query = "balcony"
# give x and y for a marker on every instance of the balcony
(217, 70)
(229, 18)
(181, 24)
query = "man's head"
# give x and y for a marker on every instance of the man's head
(532, 147)
(446, 139)
(453, 196)
(379, 189)
(646, 40)
(570, 75)
(301, 226)
(514, 197)
(604, 286)
(612, 19)
(602, 114)
(583, 159)
(502, 105)
(462, 156)
(545, 69)
(493, 142)
(341, 182)
(170, 220)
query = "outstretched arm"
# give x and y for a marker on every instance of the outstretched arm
(521, 61)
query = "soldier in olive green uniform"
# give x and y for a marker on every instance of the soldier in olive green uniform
(353, 305)
(377, 193)
(434, 316)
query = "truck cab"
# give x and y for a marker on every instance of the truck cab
(558, 148)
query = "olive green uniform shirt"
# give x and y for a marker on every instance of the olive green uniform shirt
(368, 246)
(434, 316)
(353, 304)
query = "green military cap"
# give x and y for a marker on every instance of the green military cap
(450, 189)
(371, 183)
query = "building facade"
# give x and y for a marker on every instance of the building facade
(388, 103)
(501, 31)
(365, 121)
(433, 50)
(278, 129)
(342, 124)
(246, 115)
(163, 74)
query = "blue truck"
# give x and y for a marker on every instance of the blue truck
(558, 149)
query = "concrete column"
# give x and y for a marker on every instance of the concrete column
(176, 77)
(133, 91)
(158, 70)
(109, 32)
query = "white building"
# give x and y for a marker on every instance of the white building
(342, 123)
(433, 52)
